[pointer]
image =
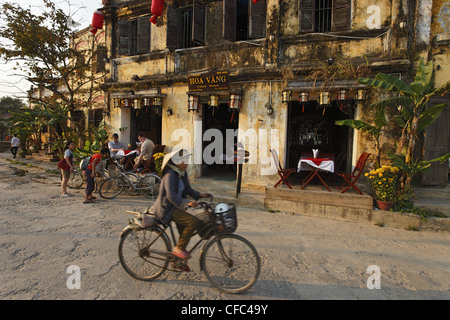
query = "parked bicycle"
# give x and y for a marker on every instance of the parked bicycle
(147, 184)
(230, 262)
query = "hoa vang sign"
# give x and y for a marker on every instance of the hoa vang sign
(210, 81)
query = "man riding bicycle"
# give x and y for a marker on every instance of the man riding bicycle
(171, 203)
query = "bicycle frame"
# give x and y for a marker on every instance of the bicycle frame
(173, 241)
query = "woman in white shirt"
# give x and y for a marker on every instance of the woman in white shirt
(68, 156)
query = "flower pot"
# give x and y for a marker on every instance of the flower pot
(384, 205)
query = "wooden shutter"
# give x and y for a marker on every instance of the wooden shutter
(172, 41)
(257, 23)
(306, 14)
(198, 23)
(436, 144)
(124, 34)
(143, 35)
(342, 15)
(229, 19)
(100, 58)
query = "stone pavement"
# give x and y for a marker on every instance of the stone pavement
(225, 191)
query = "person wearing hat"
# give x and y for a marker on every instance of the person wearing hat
(171, 203)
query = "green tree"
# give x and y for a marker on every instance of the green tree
(42, 45)
(414, 115)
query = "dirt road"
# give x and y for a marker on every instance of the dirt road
(41, 235)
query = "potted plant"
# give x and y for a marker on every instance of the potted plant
(385, 183)
(158, 159)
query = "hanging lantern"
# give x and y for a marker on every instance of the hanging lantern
(287, 95)
(235, 102)
(169, 112)
(126, 103)
(146, 102)
(342, 95)
(116, 103)
(137, 104)
(97, 21)
(213, 101)
(324, 98)
(157, 101)
(193, 103)
(303, 99)
(157, 10)
(361, 95)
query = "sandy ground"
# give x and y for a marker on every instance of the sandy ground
(303, 257)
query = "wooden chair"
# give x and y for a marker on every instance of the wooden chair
(283, 173)
(149, 165)
(351, 178)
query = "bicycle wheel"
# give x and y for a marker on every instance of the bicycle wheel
(231, 263)
(75, 181)
(131, 183)
(142, 253)
(111, 188)
(149, 185)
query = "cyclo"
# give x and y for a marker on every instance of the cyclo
(229, 261)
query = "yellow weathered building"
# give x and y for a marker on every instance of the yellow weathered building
(283, 70)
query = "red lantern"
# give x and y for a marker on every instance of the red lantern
(255, 1)
(97, 21)
(157, 10)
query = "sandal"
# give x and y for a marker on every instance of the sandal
(181, 254)
(89, 201)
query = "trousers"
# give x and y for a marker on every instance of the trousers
(90, 183)
(187, 224)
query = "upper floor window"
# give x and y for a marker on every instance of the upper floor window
(244, 20)
(134, 36)
(324, 15)
(186, 26)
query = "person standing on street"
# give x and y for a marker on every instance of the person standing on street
(89, 173)
(15, 142)
(68, 158)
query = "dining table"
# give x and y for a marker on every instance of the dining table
(315, 165)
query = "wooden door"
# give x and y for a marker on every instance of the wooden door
(436, 144)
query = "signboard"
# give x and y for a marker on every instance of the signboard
(217, 80)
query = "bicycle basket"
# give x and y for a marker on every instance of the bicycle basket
(113, 171)
(225, 217)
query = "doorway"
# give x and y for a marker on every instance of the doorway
(147, 120)
(312, 126)
(221, 118)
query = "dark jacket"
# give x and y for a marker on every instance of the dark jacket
(168, 197)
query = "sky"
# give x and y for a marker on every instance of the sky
(80, 10)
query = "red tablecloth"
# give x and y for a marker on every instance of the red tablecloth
(320, 163)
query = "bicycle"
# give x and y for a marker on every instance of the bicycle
(229, 261)
(77, 178)
(148, 184)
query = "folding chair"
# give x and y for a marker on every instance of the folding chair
(283, 173)
(351, 178)
(149, 165)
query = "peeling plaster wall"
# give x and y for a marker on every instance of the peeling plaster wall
(378, 34)
(440, 51)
